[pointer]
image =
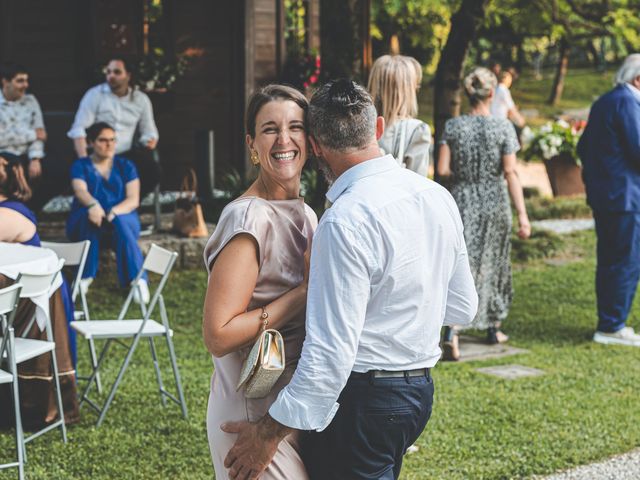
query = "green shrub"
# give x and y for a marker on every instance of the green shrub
(541, 244)
(542, 208)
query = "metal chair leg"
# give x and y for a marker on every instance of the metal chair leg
(176, 375)
(20, 445)
(94, 363)
(112, 393)
(156, 365)
(56, 378)
(93, 375)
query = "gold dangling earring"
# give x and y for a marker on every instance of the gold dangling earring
(254, 157)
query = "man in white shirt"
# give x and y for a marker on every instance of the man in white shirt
(128, 111)
(388, 267)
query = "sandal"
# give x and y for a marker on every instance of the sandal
(496, 336)
(450, 347)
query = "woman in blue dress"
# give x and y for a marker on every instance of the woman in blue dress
(107, 194)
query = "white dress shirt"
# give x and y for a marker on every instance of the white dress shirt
(18, 122)
(388, 266)
(124, 114)
(502, 102)
(634, 90)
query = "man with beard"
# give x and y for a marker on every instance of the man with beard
(388, 266)
(117, 103)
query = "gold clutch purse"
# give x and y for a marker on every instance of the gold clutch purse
(263, 366)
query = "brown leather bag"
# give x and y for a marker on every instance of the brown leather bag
(188, 220)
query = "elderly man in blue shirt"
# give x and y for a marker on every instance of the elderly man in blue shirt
(610, 153)
(389, 266)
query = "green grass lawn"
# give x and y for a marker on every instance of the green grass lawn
(582, 87)
(583, 409)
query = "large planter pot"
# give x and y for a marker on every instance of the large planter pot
(565, 176)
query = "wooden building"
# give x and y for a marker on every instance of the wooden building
(233, 46)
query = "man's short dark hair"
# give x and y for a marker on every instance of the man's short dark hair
(9, 70)
(342, 116)
(96, 129)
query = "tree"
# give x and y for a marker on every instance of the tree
(415, 27)
(447, 91)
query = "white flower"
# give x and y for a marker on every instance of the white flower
(546, 128)
(562, 123)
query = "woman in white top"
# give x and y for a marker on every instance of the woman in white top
(393, 83)
(503, 105)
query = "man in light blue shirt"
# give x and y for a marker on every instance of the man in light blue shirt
(389, 266)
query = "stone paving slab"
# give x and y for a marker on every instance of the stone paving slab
(473, 349)
(620, 467)
(561, 226)
(511, 372)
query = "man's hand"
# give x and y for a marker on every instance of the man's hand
(35, 168)
(151, 144)
(96, 215)
(41, 134)
(255, 447)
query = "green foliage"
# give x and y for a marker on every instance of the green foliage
(541, 244)
(542, 208)
(422, 26)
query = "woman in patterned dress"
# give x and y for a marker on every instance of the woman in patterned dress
(477, 155)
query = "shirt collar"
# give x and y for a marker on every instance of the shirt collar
(360, 171)
(2, 99)
(634, 90)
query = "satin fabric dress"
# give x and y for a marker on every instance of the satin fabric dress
(282, 230)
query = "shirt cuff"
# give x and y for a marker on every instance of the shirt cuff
(77, 132)
(290, 412)
(146, 137)
(36, 150)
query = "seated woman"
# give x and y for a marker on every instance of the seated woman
(107, 194)
(18, 222)
(36, 386)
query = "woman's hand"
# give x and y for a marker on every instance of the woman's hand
(96, 214)
(524, 231)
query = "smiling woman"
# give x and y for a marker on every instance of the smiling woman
(257, 260)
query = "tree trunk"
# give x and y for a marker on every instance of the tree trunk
(448, 87)
(561, 73)
(344, 31)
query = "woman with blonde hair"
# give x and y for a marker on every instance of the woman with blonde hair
(477, 154)
(393, 84)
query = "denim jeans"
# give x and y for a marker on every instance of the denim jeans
(378, 419)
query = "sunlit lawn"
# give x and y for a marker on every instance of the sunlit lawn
(583, 409)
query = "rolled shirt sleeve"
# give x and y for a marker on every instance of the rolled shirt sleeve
(85, 116)
(148, 129)
(36, 148)
(339, 289)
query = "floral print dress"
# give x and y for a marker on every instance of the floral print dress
(477, 145)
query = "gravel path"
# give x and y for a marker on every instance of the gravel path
(564, 226)
(621, 467)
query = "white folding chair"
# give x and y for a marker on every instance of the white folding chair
(75, 255)
(8, 303)
(34, 285)
(158, 261)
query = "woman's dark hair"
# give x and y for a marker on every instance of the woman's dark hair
(13, 184)
(268, 94)
(96, 129)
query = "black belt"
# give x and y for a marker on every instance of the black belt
(418, 372)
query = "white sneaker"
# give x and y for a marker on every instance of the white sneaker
(624, 336)
(412, 449)
(84, 284)
(141, 291)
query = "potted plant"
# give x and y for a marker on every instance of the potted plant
(555, 144)
(301, 71)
